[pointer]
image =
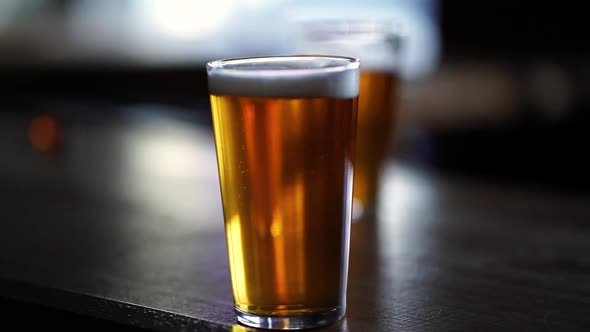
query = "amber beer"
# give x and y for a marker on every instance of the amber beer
(285, 137)
(377, 117)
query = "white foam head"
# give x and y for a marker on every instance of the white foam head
(285, 76)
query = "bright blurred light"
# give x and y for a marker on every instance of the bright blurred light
(403, 194)
(168, 150)
(170, 168)
(256, 3)
(407, 197)
(188, 19)
(166, 156)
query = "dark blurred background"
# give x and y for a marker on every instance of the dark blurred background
(493, 90)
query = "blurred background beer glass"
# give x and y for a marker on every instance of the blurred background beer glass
(378, 45)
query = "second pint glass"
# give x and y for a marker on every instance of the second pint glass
(378, 46)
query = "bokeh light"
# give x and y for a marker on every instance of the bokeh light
(45, 133)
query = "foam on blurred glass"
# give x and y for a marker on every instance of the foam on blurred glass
(418, 18)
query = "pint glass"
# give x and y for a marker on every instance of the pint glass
(285, 138)
(377, 45)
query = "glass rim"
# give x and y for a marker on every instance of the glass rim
(344, 63)
(354, 25)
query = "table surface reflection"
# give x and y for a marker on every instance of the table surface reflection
(122, 221)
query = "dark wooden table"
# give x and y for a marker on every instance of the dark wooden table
(123, 223)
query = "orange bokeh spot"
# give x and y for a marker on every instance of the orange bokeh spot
(44, 133)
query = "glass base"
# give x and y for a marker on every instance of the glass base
(290, 322)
